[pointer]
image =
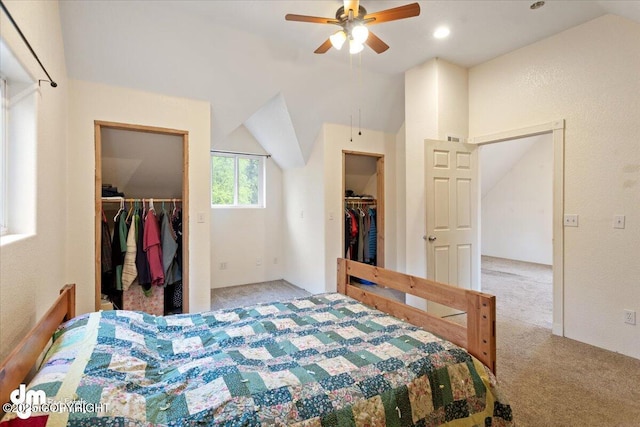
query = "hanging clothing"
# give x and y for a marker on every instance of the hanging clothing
(136, 299)
(361, 233)
(142, 265)
(106, 263)
(353, 235)
(176, 224)
(373, 236)
(151, 245)
(129, 270)
(172, 273)
(119, 247)
(365, 233)
(347, 233)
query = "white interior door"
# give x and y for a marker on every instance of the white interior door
(453, 250)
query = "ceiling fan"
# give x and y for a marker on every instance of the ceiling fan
(354, 19)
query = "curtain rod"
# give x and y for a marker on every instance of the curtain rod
(24, 39)
(239, 152)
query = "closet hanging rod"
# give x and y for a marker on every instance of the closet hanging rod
(146, 199)
(240, 152)
(24, 39)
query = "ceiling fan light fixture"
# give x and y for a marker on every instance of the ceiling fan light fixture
(355, 47)
(338, 39)
(360, 33)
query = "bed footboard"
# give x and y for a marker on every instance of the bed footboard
(479, 335)
(18, 364)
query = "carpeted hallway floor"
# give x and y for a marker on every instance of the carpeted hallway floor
(549, 380)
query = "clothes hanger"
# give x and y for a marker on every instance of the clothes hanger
(128, 219)
(115, 218)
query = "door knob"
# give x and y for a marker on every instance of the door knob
(432, 238)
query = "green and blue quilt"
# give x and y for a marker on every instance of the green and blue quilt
(325, 360)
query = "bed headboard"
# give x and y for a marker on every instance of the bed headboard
(15, 368)
(479, 335)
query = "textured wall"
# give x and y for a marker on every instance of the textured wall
(32, 269)
(517, 211)
(240, 236)
(589, 76)
(90, 101)
(336, 139)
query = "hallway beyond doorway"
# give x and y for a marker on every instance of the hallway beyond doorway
(523, 290)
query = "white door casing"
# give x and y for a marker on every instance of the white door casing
(452, 239)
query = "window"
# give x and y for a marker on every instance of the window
(237, 180)
(18, 137)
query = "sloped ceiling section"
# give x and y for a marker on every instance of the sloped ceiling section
(498, 159)
(271, 126)
(237, 54)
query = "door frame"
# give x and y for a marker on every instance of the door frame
(380, 220)
(556, 129)
(98, 126)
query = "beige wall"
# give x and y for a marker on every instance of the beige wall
(239, 237)
(336, 139)
(517, 211)
(314, 205)
(589, 76)
(32, 269)
(435, 106)
(90, 101)
(303, 199)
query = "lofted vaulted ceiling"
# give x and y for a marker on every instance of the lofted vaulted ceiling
(256, 68)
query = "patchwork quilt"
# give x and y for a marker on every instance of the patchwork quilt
(326, 360)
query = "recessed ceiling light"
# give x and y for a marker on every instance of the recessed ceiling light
(536, 5)
(441, 32)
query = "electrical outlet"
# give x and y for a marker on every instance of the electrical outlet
(259, 261)
(618, 221)
(571, 220)
(223, 266)
(630, 317)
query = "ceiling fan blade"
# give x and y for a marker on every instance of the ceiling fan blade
(353, 5)
(312, 19)
(406, 11)
(324, 47)
(375, 43)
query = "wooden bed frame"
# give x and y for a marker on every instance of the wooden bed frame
(17, 365)
(479, 335)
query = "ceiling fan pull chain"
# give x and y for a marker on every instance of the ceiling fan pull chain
(360, 94)
(351, 139)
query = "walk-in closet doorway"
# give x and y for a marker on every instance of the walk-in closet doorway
(141, 162)
(363, 189)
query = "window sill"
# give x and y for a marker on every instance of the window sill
(235, 207)
(8, 239)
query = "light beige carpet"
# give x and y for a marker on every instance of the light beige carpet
(549, 380)
(256, 293)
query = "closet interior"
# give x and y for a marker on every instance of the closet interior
(363, 233)
(141, 219)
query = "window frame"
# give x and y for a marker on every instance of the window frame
(261, 181)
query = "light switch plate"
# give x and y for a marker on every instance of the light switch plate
(618, 221)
